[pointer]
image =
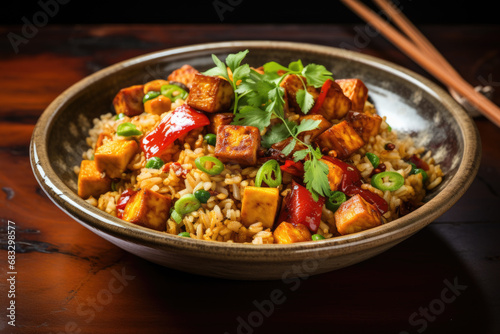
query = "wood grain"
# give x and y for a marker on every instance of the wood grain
(72, 281)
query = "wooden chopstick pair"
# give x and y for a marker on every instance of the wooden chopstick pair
(418, 48)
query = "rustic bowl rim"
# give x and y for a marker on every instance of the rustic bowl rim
(95, 219)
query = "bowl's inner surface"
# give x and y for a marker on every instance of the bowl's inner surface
(411, 108)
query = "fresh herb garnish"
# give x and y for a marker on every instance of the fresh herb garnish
(259, 98)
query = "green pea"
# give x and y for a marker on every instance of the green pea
(211, 139)
(202, 195)
(154, 163)
(184, 234)
(186, 204)
(317, 237)
(127, 129)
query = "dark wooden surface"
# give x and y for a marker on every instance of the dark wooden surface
(444, 279)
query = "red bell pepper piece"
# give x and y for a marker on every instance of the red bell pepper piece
(322, 95)
(293, 168)
(351, 185)
(419, 162)
(179, 122)
(123, 200)
(301, 208)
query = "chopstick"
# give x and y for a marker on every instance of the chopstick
(418, 48)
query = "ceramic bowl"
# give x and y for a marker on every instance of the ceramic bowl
(413, 105)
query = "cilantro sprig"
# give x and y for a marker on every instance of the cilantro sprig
(259, 98)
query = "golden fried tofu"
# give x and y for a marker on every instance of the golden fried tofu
(259, 204)
(287, 233)
(356, 91)
(322, 126)
(91, 182)
(113, 156)
(210, 94)
(184, 75)
(237, 144)
(335, 174)
(154, 85)
(158, 105)
(366, 124)
(217, 120)
(128, 101)
(355, 215)
(341, 138)
(103, 136)
(148, 208)
(335, 105)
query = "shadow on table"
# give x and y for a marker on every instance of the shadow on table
(419, 286)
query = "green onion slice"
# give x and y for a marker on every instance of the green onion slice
(176, 216)
(174, 92)
(184, 234)
(388, 181)
(186, 204)
(374, 160)
(270, 173)
(127, 129)
(333, 202)
(215, 165)
(150, 95)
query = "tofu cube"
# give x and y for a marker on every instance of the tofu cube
(287, 233)
(335, 174)
(237, 144)
(154, 85)
(322, 126)
(355, 215)
(210, 94)
(341, 138)
(113, 156)
(149, 209)
(217, 120)
(366, 124)
(336, 104)
(158, 105)
(91, 182)
(128, 101)
(184, 75)
(259, 204)
(103, 137)
(356, 91)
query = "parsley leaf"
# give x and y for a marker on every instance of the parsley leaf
(315, 177)
(316, 75)
(277, 133)
(252, 116)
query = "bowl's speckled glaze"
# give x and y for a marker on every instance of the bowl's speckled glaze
(413, 105)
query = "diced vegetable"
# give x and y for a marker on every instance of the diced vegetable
(150, 95)
(373, 158)
(419, 171)
(174, 92)
(259, 205)
(211, 139)
(129, 100)
(209, 165)
(391, 181)
(148, 208)
(113, 156)
(186, 204)
(177, 123)
(237, 144)
(356, 215)
(176, 216)
(127, 129)
(269, 173)
(299, 207)
(202, 195)
(287, 233)
(184, 234)
(154, 163)
(317, 237)
(210, 94)
(90, 180)
(342, 139)
(321, 97)
(124, 198)
(295, 168)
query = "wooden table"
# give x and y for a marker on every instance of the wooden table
(445, 279)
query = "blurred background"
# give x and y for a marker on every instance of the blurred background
(239, 11)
